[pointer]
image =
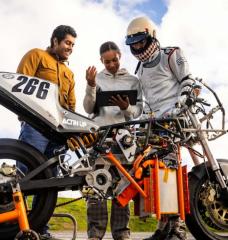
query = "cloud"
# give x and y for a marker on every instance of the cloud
(27, 25)
(199, 28)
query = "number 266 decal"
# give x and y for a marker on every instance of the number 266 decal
(29, 87)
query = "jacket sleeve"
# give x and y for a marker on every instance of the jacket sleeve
(29, 63)
(89, 99)
(134, 111)
(179, 66)
(71, 95)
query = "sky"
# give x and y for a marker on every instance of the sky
(199, 27)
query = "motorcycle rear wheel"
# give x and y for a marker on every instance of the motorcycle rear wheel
(209, 218)
(12, 150)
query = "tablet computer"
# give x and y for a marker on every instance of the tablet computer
(102, 97)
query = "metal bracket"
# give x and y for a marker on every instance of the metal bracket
(67, 215)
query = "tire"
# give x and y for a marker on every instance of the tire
(44, 207)
(202, 223)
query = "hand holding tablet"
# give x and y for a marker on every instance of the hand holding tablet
(111, 98)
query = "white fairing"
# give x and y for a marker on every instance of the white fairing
(46, 107)
(41, 97)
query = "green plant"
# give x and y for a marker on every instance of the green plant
(78, 210)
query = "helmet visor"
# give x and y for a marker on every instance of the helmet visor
(135, 38)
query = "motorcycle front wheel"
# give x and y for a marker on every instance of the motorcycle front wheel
(209, 217)
(11, 152)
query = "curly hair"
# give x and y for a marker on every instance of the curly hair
(60, 33)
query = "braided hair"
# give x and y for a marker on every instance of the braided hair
(107, 46)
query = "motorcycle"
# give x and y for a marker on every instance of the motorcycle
(138, 160)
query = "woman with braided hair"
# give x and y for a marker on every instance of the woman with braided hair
(111, 78)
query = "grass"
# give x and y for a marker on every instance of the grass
(78, 210)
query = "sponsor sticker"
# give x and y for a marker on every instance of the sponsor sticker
(8, 75)
(73, 122)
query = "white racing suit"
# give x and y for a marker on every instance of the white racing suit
(97, 214)
(164, 79)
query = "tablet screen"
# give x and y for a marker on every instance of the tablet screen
(102, 98)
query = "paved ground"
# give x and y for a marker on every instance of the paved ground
(82, 236)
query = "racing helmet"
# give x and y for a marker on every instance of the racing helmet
(139, 29)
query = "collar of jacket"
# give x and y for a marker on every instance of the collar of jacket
(55, 56)
(120, 72)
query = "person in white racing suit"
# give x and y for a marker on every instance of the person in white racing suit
(110, 79)
(165, 79)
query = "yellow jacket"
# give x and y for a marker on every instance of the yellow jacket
(42, 64)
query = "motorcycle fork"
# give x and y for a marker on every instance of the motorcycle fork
(204, 143)
(19, 213)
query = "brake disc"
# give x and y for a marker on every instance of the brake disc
(218, 214)
(215, 210)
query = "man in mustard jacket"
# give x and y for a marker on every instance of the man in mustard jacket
(50, 64)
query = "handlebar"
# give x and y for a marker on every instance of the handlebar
(201, 100)
(193, 105)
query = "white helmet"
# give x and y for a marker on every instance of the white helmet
(139, 29)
